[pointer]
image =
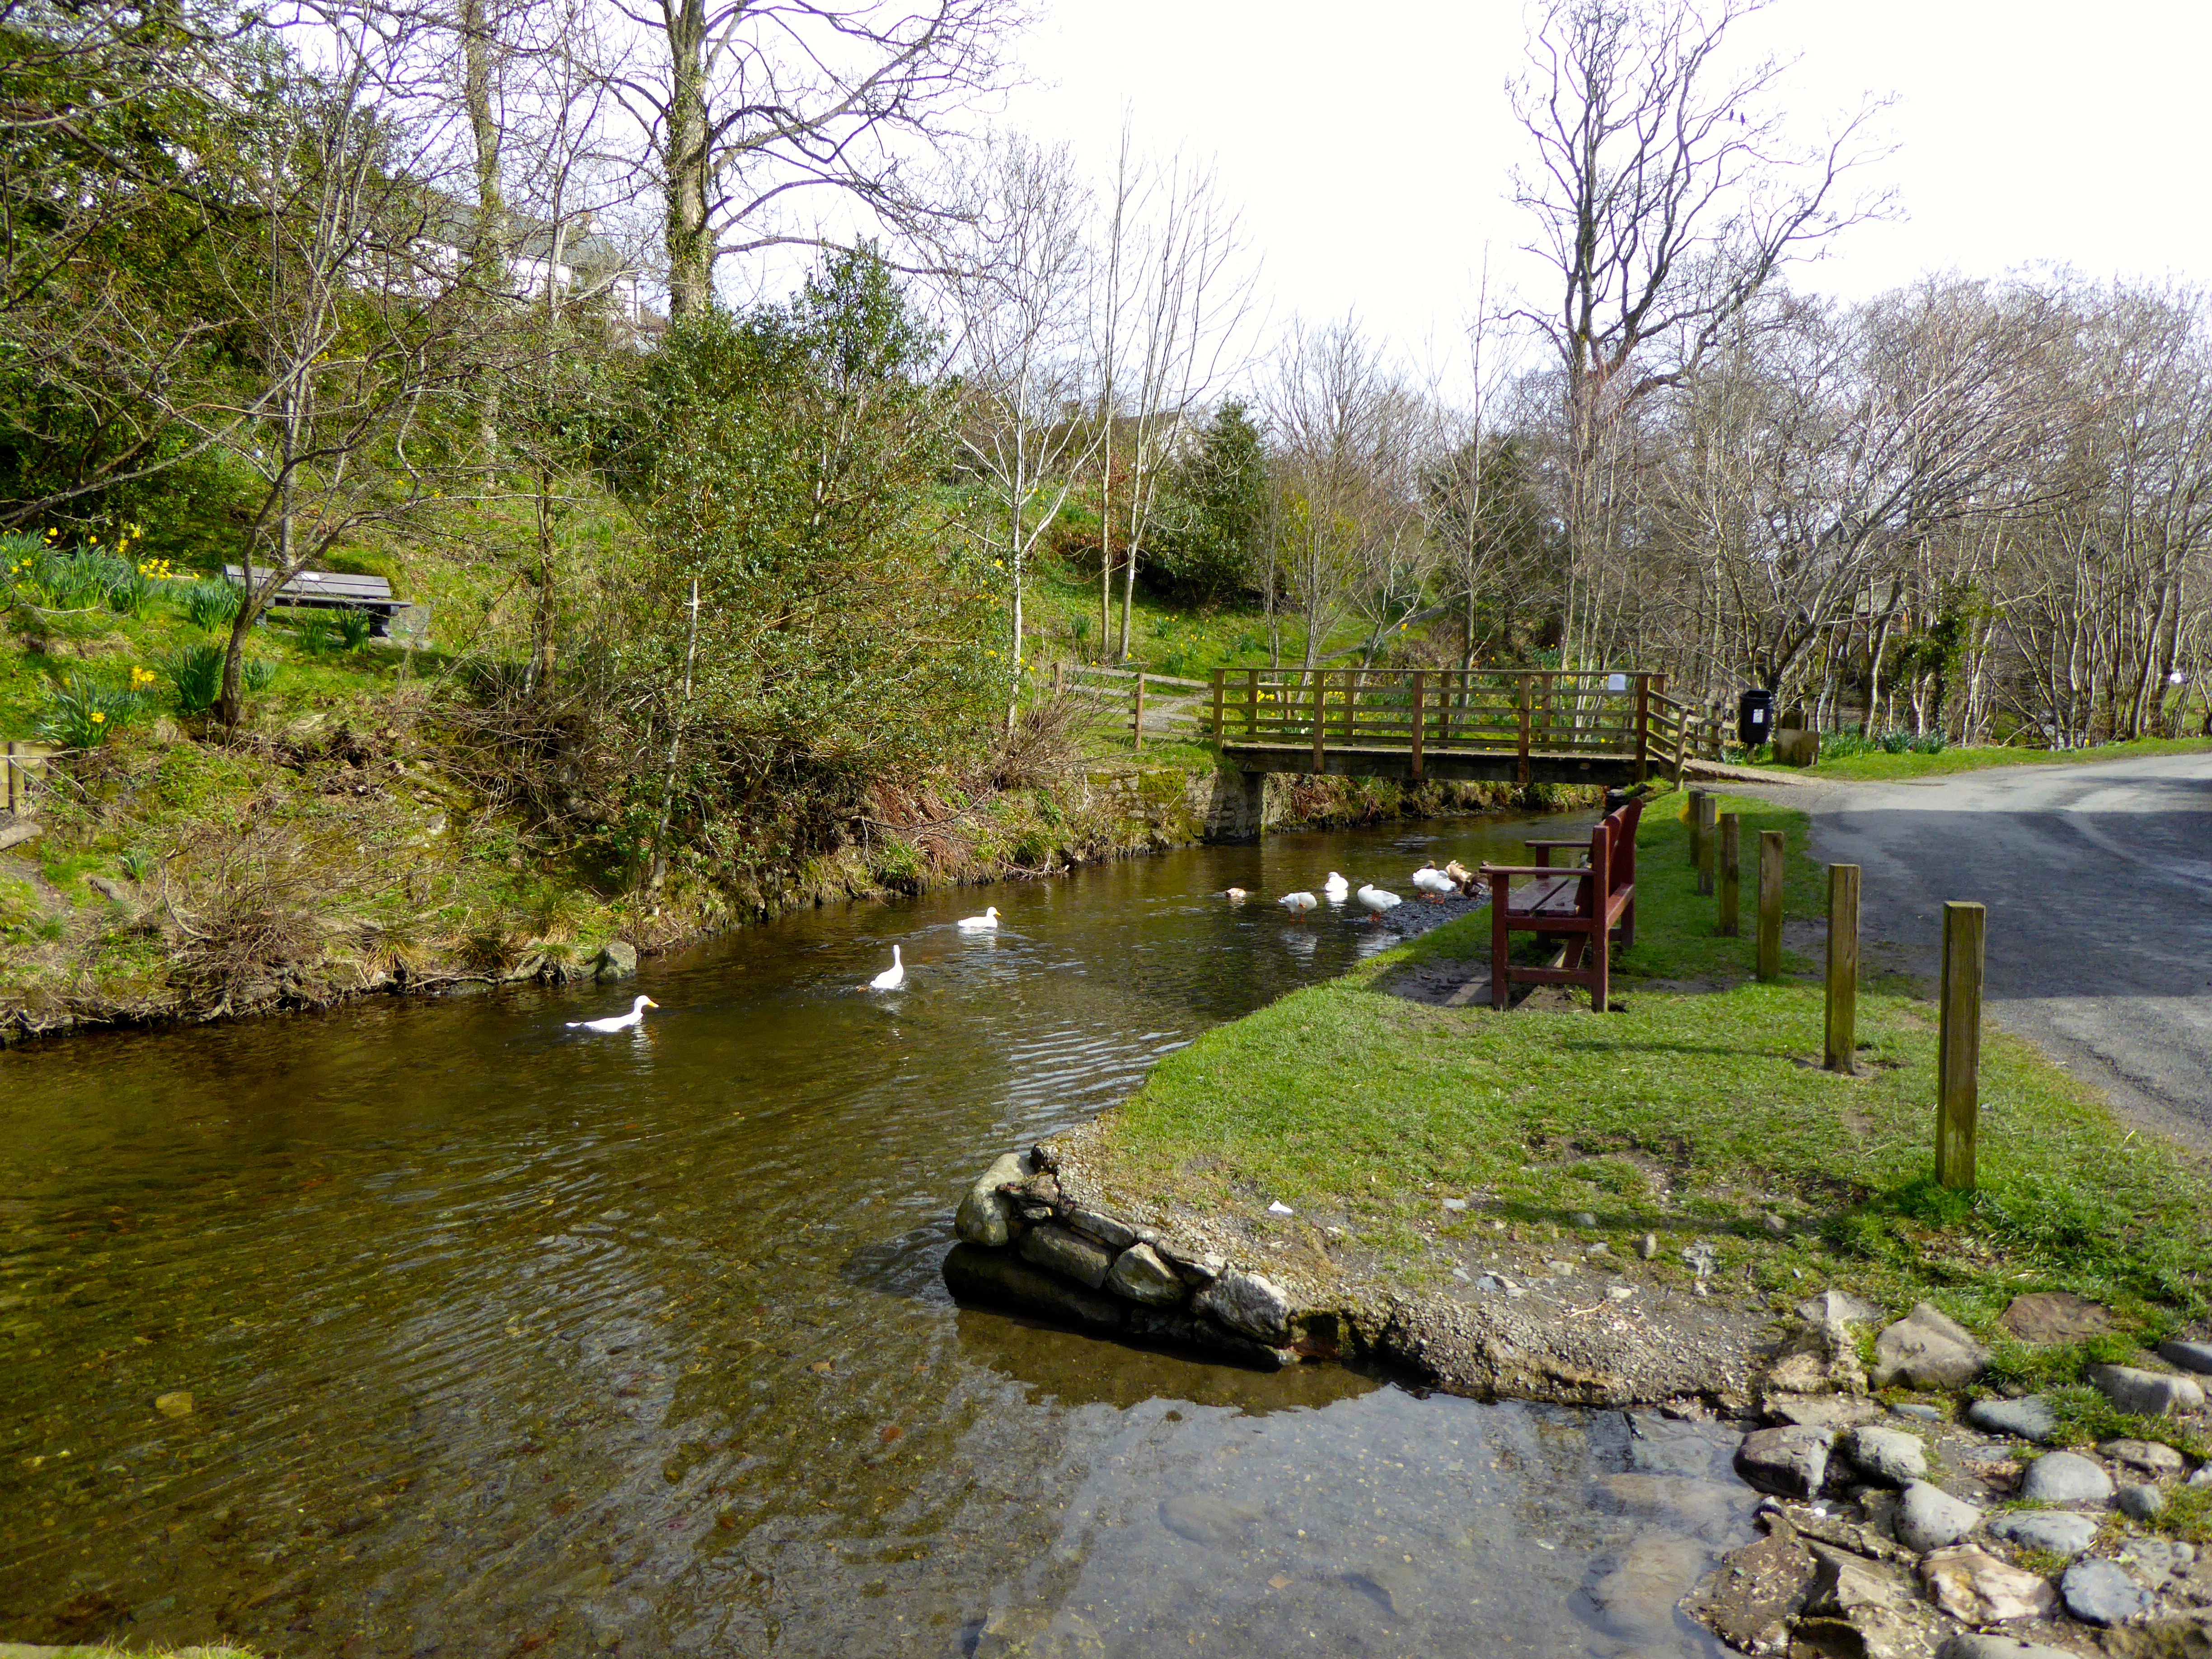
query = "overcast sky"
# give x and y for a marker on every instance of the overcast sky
(1370, 145)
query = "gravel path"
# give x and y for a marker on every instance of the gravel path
(2099, 882)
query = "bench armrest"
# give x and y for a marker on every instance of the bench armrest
(1533, 870)
(1581, 844)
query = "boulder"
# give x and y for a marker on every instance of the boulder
(615, 960)
(1919, 1411)
(1140, 1275)
(2189, 1356)
(1978, 1644)
(1789, 1462)
(2142, 1503)
(2147, 1456)
(1001, 1278)
(986, 1216)
(2146, 1394)
(1173, 1327)
(1104, 1228)
(1796, 748)
(1248, 1303)
(1931, 1517)
(1821, 1411)
(2054, 1316)
(1065, 1251)
(2060, 1532)
(2098, 1592)
(2065, 1478)
(1927, 1349)
(1843, 1583)
(1973, 1586)
(2029, 1419)
(1889, 1458)
(1751, 1598)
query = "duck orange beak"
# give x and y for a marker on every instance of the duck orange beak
(650, 1002)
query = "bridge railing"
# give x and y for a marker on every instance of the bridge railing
(1579, 714)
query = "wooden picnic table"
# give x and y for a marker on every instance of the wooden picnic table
(333, 590)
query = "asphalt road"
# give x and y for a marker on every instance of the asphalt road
(2099, 883)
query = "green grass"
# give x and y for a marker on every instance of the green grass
(1691, 1116)
(1874, 769)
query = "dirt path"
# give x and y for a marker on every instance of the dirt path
(2098, 881)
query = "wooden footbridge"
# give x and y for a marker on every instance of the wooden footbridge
(1607, 726)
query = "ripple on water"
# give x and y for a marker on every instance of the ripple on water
(500, 1340)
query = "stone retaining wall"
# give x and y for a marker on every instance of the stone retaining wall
(1026, 1245)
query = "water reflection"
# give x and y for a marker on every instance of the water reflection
(502, 1337)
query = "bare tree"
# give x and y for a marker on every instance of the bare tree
(751, 107)
(1665, 194)
(1019, 296)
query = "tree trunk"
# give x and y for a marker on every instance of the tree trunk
(488, 256)
(690, 249)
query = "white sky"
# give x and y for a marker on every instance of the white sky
(1369, 145)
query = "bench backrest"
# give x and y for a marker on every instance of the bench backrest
(1612, 855)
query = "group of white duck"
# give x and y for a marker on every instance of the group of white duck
(1454, 880)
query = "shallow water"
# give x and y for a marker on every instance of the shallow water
(504, 1340)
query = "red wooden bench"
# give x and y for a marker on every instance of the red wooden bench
(1565, 901)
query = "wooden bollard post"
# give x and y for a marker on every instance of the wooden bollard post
(1842, 968)
(1770, 905)
(1697, 824)
(1959, 1045)
(1138, 723)
(1705, 807)
(1731, 829)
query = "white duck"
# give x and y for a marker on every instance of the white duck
(1234, 895)
(1298, 903)
(1337, 888)
(982, 924)
(892, 977)
(1435, 883)
(1378, 899)
(634, 1017)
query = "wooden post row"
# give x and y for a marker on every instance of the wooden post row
(1770, 905)
(1959, 1045)
(1731, 830)
(1696, 824)
(1842, 1044)
(1706, 806)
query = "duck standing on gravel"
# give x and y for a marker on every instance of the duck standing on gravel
(1435, 884)
(1378, 899)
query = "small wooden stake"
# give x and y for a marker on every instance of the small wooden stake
(1731, 827)
(1842, 968)
(1138, 723)
(1959, 1045)
(1697, 824)
(1705, 807)
(1770, 905)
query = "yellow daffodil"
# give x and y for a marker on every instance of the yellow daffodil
(99, 719)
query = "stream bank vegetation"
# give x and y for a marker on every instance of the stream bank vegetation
(715, 602)
(1689, 1141)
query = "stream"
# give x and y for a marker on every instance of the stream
(471, 1335)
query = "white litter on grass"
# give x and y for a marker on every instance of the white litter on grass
(1280, 1208)
(1455, 1205)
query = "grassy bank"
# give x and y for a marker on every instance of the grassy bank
(1882, 769)
(1697, 1114)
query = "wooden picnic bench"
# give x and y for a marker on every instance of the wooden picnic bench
(332, 590)
(1587, 905)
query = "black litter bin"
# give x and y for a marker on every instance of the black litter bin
(1755, 719)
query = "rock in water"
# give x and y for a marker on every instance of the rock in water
(2098, 1592)
(2031, 1418)
(1000, 1277)
(1843, 1583)
(178, 1404)
(1245, 1301)
(1890, 1456)
(1931, 1517)
(2065, 1478)
(986, 1216)
(1064, 1252)
(2146, 1394)
(1927, 1349)
(1972, 1585)
(1114, 1235)
(1140, 1275)
(1789, 1462)
(2059, 1531)
(615, 960)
